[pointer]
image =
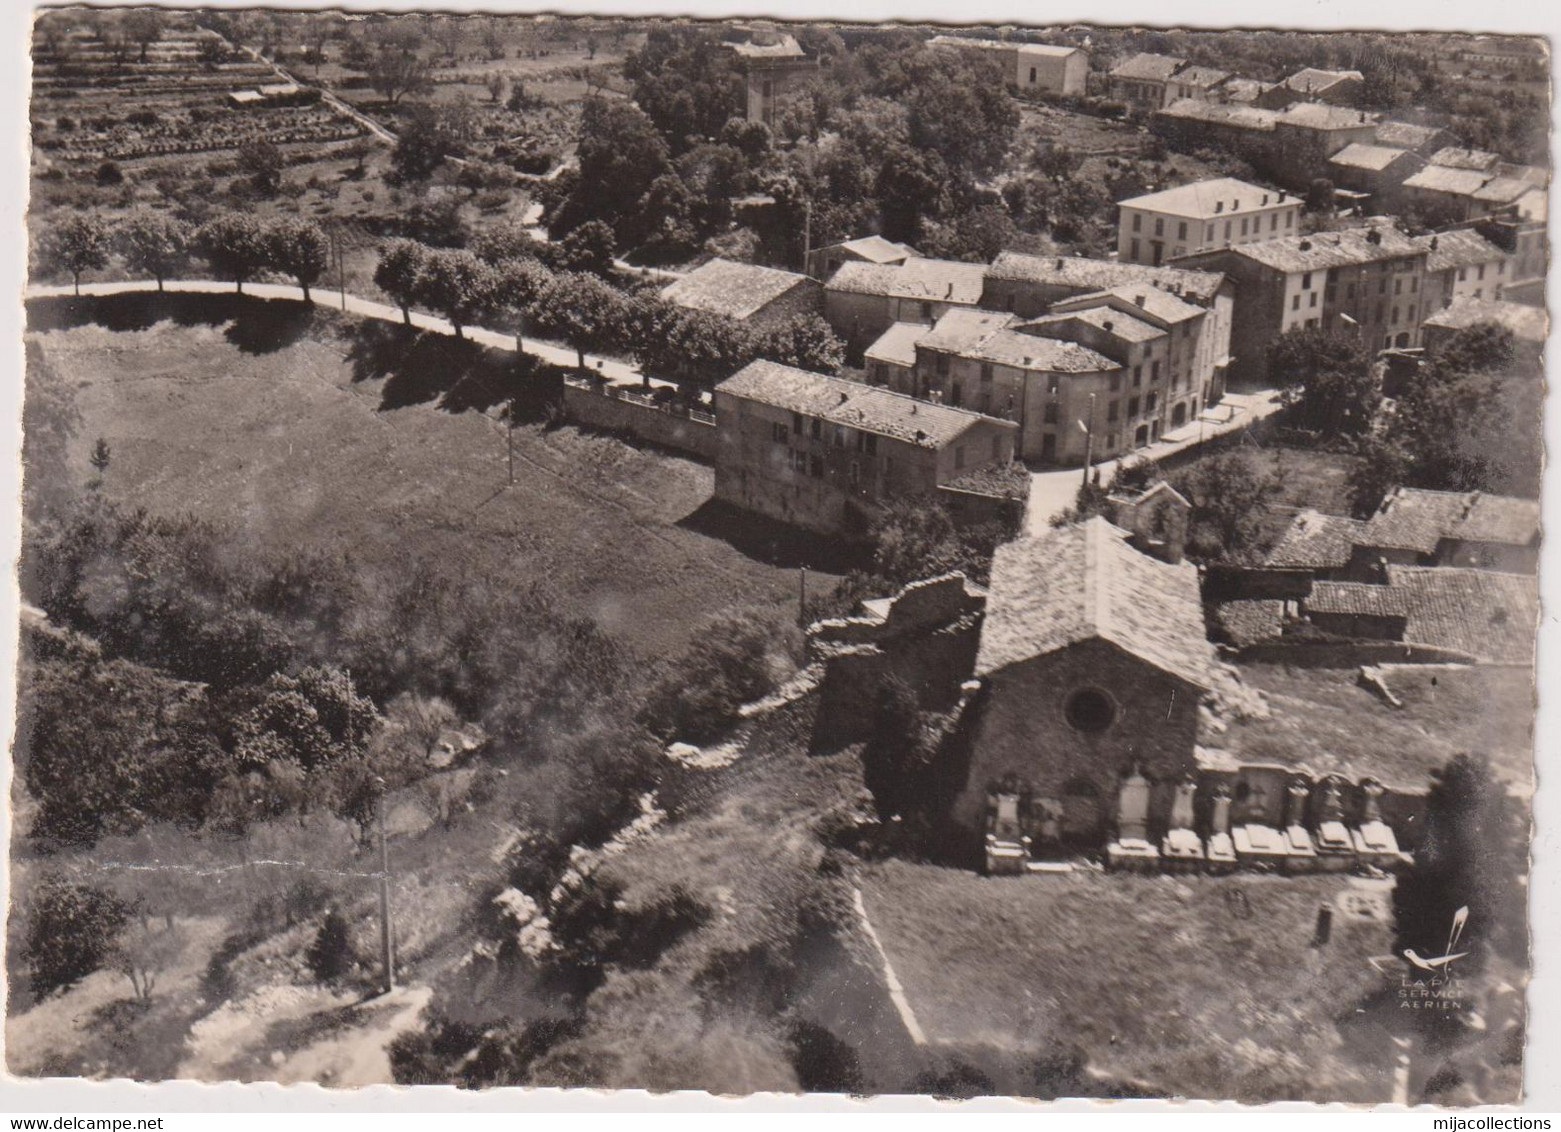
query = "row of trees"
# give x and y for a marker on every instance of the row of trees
(503, 277)
(236, 246)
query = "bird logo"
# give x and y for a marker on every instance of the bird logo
(1442, 964)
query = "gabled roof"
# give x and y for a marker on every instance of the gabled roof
(876, 249)
(1406, 135)
(1148, 67)
(1082, 274)
(866, 407)
(1193, 75)
(1357, 599)
(1238, 115)
(1311, 80)
(1503, 190)
(1486, 614)
(1321, 116)
(1528, 324)
(1315, 541)
(1047, 49)
(1445, 179)
(785, 47)
(1413, 519)
(1460, 247)
(1086, 582)
(738, 290)
(1108, 320)
(1239, 89)
(1454, 157)
(993, 336)
(1323, 250)
(897, 345)
(934, 280)
(1205, 199)
(1160, 306)
(1359, 155)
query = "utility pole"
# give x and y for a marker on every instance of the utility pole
(1089, 438)
(386, 945)
(807, 232)
(509, 438)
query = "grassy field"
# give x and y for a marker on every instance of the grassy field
(305, 430)
(1178, 984)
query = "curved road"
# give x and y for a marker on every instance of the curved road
(366, 308)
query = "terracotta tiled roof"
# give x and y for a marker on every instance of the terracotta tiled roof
(1148, 67)
(1358, 155)
(1108, 320)
(898, 344)
(1323, 250)
(1158, 305)
(1357, 599)
(932, 280)
(866, 407)
(1248, 622)
(1413, 519)
(1486, 614)
(1452, 157)
(1099, 274)
(1321, 116)
(1315, 541)
(1310, 80)
(1405, 135)
(1460, 247)
(1085, 582)
(1528, 324)
(1204, 199)
(1444, 179)
(876, 249)
(992, 336)
(724, 286)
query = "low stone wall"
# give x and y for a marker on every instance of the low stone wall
(620, 410)
(972, 508)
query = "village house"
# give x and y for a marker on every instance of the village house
(1522, 231)
(824, 262)
(1337, 88)
(1193, 81)
(1479, 616)
(774, 69)
(1423, 140)
(1461, 264)
(1369, 281)
(1030, 286)
(1415, 527)
(761, 297)
(1459, 157)
(1376, 171)
(1242, 91)
(1292, 146)
(1462, 185)
(1029, 68)
(891, 360)
(1092, 664)
(1144, 81)
(825, 453)
(862, 300)
(1201, 216)
(1529, 325)
(1307, 134)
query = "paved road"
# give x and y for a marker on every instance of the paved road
(353, 304)
(1054, 490)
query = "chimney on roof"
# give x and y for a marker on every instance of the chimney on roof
(1374, 236)
(844, 396)
(1138, 300)
(1305, 245)
(1219, 206)
(949, 294)
(1107, 324)
(1059, 263)
(1434, 241)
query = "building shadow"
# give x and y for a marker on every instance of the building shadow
(775, 543)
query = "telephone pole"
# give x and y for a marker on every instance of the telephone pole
(1089, 438)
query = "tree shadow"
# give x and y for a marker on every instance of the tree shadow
(772, 542)
(264, 326)
(133, 310)
(419, 367)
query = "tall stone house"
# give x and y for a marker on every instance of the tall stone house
(1029, 68)
(761, 297)
(825, 454)
(1202, 216)
(862, 300)
(774, 69)
(1368, 281)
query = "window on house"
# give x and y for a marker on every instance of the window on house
(1273, 221)
(840, 437)
(1382, 285)
(1150, 401)
(955, 394)
(1243, 225)
(1398, 286)
(1227, 231)
(1116, 380)
(1154, 372)
(1132, 406)
(1049, 414)
(1414, 285)
(1381, 309)
(1181, 230)
(1306, 280)
(1138, 375)
(1395, 314)
(1112, 410)
(856, 473)
(778, 432)
(1481, 271)
(796, 423)
(1132, 250)
(872, 443)
(986, 373)
(943, 365)
(1411, 314)
(1032, 74)
(1289, 220)
(1138, 222)
(817, 431)
(1295, 302)
(1159, 225)
(1208, 235)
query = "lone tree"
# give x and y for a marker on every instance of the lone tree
(153, 243)
(143, 26)
(400, 272)
(264, 163)
(235, 245)
(330, 955)
(458, 285)
(76, 244)
(396, 73)
(144, 953)
(301, 249)
(1229, 494)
